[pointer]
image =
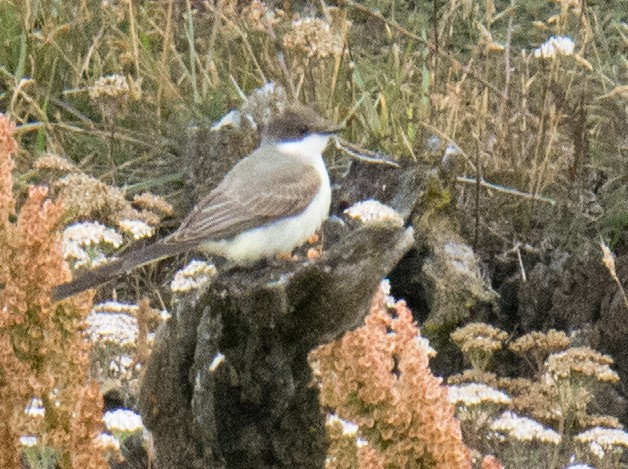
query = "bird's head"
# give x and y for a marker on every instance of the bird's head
(299, 130)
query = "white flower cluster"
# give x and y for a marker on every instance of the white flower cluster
(122, 367)
(116, 307)
(109, 86)
(81, 243)
(510, 425)
(35, 408)
(137, 229)
(390, 301)
(123, 420)
(105, 325)
(372, 211)
(107, 441)
(602, 440)
(555, 45)
(164, 315)
(476, 394)
(424, 343)
(314, 37)
(28, 441)
(193, 276)
(348, 428)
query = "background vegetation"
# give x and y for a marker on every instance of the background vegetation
(103, 91)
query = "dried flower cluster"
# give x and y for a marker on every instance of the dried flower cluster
(476, 394)
(42, 351)
(258, 17)
(348, 451)
(565, 383)
(561, 394)
(111, 94)
(110, 86)
(536, 346)
(538, 399)
(372, 211)
(88, 243)
(523, 429)
(121, 338)
(193, 276)
(137, 229)
(147, 202)
(522, 442)
(605, 421)
(557, 403)
(85, 244)
(110, 446)
(313, 37)
(378, 377)
(52, 162)
(113, 323)
(474, 376)
(479, 341)
(86, 198)
(602, 446)
(581, 362)
(476, 406)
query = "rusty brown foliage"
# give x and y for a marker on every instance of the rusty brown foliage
(42, 350)
(378, 377)
(491, 462)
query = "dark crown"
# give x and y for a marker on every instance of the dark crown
(297, 122)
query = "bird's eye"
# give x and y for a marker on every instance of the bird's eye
(302, 131)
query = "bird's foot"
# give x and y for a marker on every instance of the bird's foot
(314, 252)
(315, 238)
(286, 256)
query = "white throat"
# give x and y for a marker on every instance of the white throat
(309, 148)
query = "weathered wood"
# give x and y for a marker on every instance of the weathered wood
(259, 408)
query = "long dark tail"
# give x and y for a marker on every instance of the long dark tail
(131, 260)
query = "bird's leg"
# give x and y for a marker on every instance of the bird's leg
(286, 256)
(314, 252)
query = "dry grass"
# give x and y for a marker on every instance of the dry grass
(538, 143)
(544, 128)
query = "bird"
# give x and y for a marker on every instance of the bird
(269, 203)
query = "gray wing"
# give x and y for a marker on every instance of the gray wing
(280, 187)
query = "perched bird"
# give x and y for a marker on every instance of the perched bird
(269, 203)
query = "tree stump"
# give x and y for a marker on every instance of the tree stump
(228, 383)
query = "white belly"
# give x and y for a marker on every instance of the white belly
(279, 237)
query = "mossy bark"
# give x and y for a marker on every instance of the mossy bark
(258, 407)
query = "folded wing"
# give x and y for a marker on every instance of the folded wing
(280, 187)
